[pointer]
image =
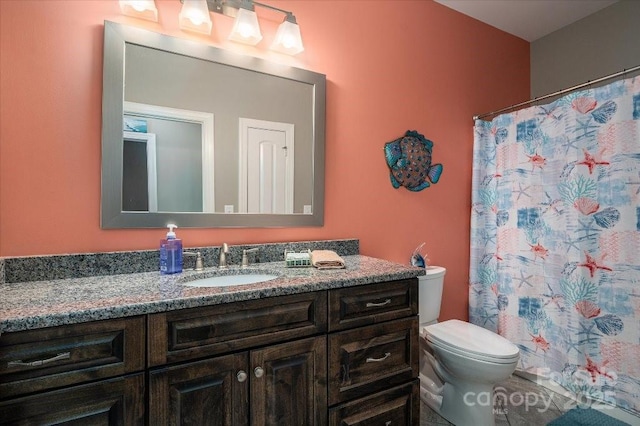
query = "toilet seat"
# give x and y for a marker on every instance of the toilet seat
(472, 356)
(471, 341)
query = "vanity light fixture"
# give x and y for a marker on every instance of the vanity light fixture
(288, 38)
(194, 16)
(246, 28)
(145, 9)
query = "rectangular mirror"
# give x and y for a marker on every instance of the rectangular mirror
(204, 137)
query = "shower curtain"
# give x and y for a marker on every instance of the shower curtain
(555, 239)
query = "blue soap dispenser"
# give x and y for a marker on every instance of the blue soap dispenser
(171, 252)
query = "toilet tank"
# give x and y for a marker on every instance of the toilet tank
(430, 294)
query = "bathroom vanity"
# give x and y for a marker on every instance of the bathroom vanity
(310, 347)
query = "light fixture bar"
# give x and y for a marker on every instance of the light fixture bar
(230, 7)
(276, 9)
(246, 28)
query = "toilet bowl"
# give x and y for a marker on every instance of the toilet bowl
(460, 362)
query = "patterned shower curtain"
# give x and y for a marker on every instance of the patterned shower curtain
(555, 239)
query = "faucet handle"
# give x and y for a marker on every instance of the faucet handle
(198, 266)
(245, 258)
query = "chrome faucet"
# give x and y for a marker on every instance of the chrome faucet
(224, 251)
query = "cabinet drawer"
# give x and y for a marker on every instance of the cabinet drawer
(194, 333)
(47, 358)
(368, 359)
(116, 402)
(399, 406)
(371, 304)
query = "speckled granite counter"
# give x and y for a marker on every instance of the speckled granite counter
(38, 304)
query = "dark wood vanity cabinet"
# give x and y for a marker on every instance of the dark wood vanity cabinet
(234, 367)
(91, 373)
(373, 355)
(344, 356)
(340, 357)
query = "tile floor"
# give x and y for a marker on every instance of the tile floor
(542, 407)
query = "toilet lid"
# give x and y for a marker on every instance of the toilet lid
(472, 339)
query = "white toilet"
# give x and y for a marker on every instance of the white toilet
(459, 362)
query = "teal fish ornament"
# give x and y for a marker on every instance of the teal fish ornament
(409, 161)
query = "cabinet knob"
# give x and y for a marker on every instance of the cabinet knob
(259, 372)
(242, 376)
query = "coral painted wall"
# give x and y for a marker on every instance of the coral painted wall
(390, 65)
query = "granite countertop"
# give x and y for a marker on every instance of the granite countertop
(39, 304)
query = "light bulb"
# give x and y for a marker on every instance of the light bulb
(145, 9)
(196, 17)
(139, 6)
(245, 30)
(288, 41)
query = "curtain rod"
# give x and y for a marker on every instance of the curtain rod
(559, 92)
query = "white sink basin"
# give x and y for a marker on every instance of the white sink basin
(230, 280)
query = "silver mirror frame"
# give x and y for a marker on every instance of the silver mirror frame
(112, 217)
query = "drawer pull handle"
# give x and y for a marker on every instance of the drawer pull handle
(377, 305)
(386, 355)
(37, 363)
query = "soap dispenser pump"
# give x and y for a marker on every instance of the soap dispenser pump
(170, 252)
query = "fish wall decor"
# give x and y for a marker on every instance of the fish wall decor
(409, 161)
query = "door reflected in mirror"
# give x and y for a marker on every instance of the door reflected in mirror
(178, 162)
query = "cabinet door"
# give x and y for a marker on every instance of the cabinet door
(209, 392)
(288, 384)
(109, 402)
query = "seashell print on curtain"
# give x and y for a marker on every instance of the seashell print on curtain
(555, 239)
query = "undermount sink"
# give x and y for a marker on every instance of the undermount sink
(231, 280)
